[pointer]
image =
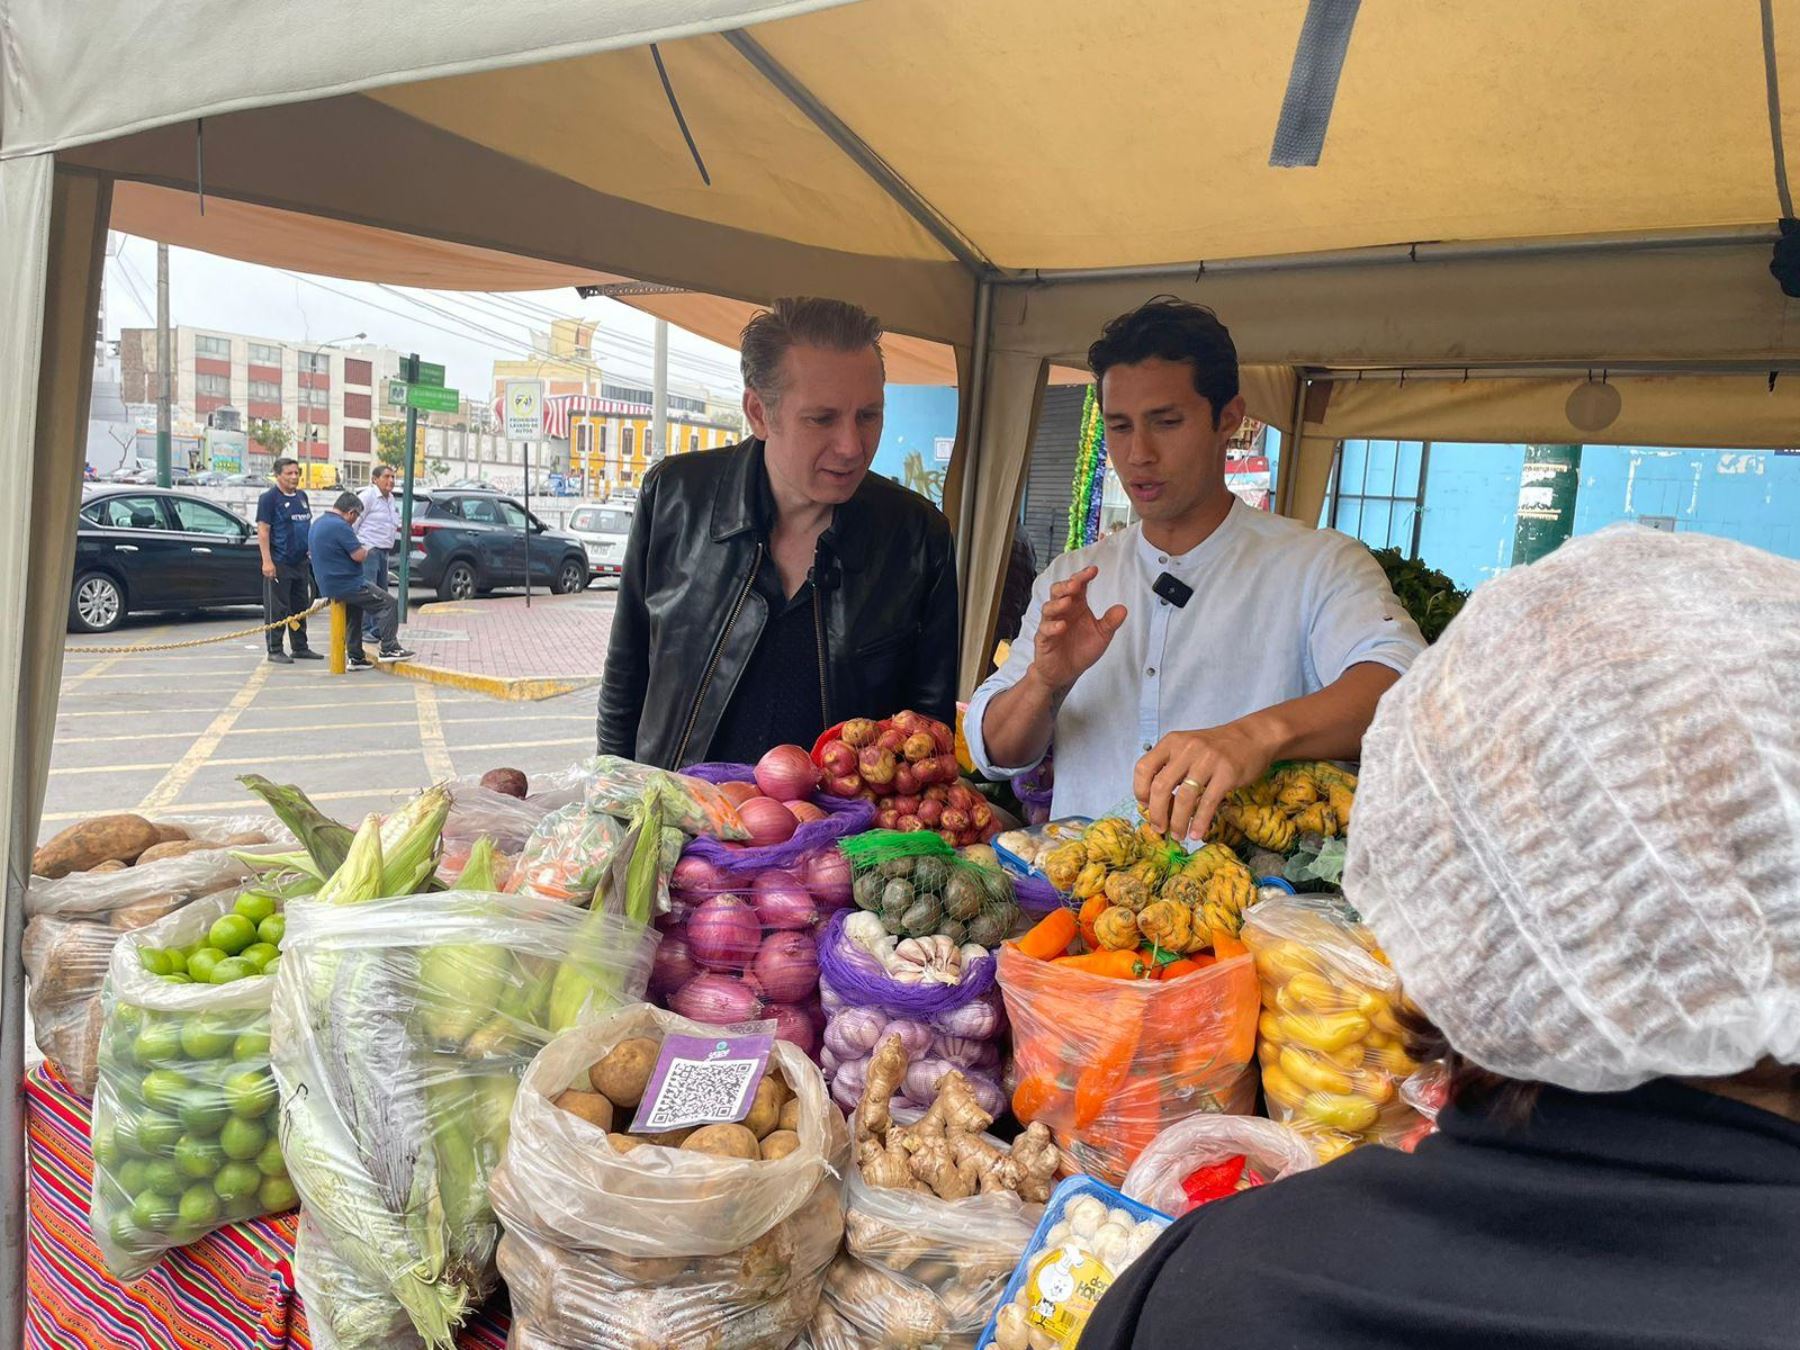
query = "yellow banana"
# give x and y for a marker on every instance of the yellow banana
(1314, 1074)
(1339, 1111)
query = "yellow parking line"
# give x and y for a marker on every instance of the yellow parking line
(358, 704)
(431, 734)
(244, 803)
(510, 745)
(510, 718)
(184, 769)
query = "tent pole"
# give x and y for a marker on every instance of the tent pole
(1390, 255)
(971, 448)
(1548, 371)
(859, 151)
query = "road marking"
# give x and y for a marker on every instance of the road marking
(197, 755)
(431, 735)
(282, 708)
(510, 745)
(287, 728)
(586, 716)
(244, 803)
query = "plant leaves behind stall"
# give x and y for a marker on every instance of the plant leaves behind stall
(1432, 598)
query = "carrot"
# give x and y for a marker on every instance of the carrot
(1226, 945)
(1034, 1093)
(1107, 1074)
(1050, 937)
(1176, 969)
(1091, 910)
(1118, 965)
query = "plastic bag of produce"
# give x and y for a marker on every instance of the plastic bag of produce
(401, 1026)
(1332, 1048)
(1109, 1063)
(75, 921)
(343, 1308)
(920, 887)
(184, 1110)
(617, 787)
(940, 999)
(1089, 1236)
(567, 855)
(613, 1241)
(1205, 1158)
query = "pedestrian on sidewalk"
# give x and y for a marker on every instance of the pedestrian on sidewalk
(337, 561)
(377, 529)
(283, 523)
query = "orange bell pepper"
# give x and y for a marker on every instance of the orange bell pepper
(1050, 937)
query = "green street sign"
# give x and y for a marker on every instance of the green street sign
(430, 374)
(433, 398)
(396, 393)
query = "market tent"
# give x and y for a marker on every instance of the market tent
(1446, 183)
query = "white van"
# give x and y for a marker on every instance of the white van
(602, 528)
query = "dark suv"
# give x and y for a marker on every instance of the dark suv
(466, 543)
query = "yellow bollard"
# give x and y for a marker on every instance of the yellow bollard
(339, 624)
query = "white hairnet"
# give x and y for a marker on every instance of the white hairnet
(1577, 826)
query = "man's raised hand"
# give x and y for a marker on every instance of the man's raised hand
(1070, 639)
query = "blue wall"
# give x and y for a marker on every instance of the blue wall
(917, 416)
(1472, 492)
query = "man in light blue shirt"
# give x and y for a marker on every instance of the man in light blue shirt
(1275, 641)
(377, 529)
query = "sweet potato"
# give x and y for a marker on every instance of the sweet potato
(119, 838)
(625, 1071)
(146, 912)
(724, 1141)
(174, 848)
(246, 839)
(110, 865)
(171, 834)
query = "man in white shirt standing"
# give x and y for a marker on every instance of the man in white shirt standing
(377, 530)
(1178, 659)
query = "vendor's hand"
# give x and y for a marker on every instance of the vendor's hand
(1069, 638)
(1180, 784)
(269, 570)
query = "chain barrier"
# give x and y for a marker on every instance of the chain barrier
(291, 621)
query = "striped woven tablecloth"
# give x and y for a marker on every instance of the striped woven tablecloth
(232, 1290)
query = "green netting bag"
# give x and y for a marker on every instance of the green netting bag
(921, 887)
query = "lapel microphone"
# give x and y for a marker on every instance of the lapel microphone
(1171, 588)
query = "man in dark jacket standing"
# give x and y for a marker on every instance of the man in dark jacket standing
(775, 588)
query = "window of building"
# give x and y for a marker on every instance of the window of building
(265, 391)
(693, 440)
(625, 393)
(357, 371)
(212, 346)
(318, 398)
(628, 444)
(219, 385)
(687, 403)
(262, 354)
(357, 405)
(315, 363)
(600, 439)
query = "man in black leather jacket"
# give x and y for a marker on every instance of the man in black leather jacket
(775, 588)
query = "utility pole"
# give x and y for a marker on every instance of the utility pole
(659, 395)
(406, 490)
(165, 364)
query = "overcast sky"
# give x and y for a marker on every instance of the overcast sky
(466, 332)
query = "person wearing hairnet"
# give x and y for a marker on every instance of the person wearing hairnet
(1578, 839)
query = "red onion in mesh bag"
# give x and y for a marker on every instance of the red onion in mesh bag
(674, 965)
(827, 876)
(723, 933)
(787, 966)
(716, 999)
(782, 900)
(794, 1024)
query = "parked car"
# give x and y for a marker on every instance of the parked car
(248, 480)
(602, 528)
(210, 478)
(465, 543)
(140, 549)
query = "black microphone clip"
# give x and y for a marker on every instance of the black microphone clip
(1173, 590)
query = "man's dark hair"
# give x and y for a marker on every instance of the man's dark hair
(1173, 330)
(348, 503)
(283, 462)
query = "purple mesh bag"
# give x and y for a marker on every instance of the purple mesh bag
(844, 816)
(1035, 893)
(861, 983)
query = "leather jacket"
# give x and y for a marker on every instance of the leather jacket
(689, 615)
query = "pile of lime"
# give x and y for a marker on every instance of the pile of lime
(185, 1134)
(239, 945)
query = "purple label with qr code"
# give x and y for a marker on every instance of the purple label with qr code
(703, 1080)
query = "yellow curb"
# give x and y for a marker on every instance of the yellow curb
(447, 607)
(512, 688)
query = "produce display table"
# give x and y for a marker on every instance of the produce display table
(232, 1290)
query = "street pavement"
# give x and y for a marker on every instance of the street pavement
(170, 732)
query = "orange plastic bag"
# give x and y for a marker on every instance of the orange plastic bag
(1109, 1064)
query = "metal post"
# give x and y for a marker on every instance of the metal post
(1547, 490)
(525, 529)
(165, 364)
(337, 662)
(1419, 503)
(659, 395)
(406, 489)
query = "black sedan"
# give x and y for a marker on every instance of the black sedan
(465, 543)
(141, 549)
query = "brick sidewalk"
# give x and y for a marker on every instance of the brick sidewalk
(560, 642)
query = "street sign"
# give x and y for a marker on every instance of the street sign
(396, 393)
(433, 398)
(430, 374)
(524, 410)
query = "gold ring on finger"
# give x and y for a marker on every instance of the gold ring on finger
(1190, 783)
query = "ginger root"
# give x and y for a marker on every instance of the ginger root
(946, 1152)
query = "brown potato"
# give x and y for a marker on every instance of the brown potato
(171, 834)
(779, 1144)
(790, 1115)
(624, 1072)
(668, 1138)
(146, 912)
(117, 838)
(624, 1143)
(765, 1107)
(590, 1106)
(723, 1141)
(110, 865)
(246, 839)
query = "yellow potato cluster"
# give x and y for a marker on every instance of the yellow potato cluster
(1331, 1043)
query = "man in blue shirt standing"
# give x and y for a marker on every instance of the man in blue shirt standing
(337, 564)
(377, 529)
(283, 518)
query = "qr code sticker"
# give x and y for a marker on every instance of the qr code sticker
(696, 1092)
